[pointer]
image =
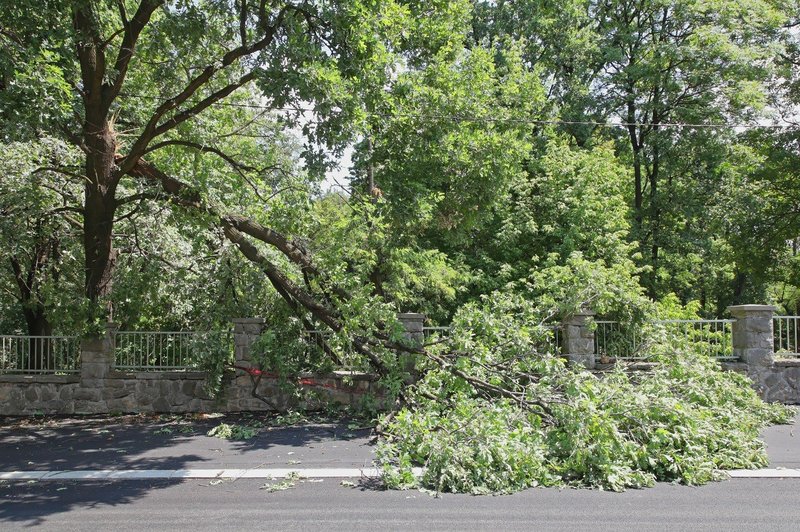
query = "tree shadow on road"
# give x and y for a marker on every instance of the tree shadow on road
(32, 503)
(150, 443)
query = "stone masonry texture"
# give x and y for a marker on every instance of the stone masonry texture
(99, 389)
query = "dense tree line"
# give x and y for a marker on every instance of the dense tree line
(502, 139)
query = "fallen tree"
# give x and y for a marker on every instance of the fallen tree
(686, 420)
(496, 411)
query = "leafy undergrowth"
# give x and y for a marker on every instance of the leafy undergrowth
(555, 425)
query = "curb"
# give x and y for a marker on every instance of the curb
(275, 473)
(765, 473)
(171, 474)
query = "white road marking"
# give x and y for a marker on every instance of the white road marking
(150, 474)
(276, 473)
(765, 473)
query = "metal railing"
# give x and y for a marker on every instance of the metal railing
(615, 340)
(166, 350)
(787, 335)
(39, 354)
(551, 344)
(312, 336)
(429, 332)
(346, 355)
(713, 337)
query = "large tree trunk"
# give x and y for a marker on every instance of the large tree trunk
(99, 144)
(101, 83)
(100, 256)
(99, 209)
(36, 322)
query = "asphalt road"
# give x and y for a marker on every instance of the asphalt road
(312, 504)
(135, 443)
(747, 504)
(783, 445)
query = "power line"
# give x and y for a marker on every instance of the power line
(530, 121)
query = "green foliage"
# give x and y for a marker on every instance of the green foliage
(40, 272)
(289, 418)
(686, 420)
(763, 216)
(354, 238)
(234, 432)
(478, 448)
(286, 349)
(287, 483)
(562, 234)
(33, 68)
(452, 143)
(214, 354)
(653, 63)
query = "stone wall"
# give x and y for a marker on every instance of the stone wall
(99, 389)
(174, 392)
(777, 383)
(119, 393)
(782, 383)
(37, 394)
(775, 379)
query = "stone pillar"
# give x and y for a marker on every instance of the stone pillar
(238, 393)
(413, 336)
(245, 332)
(412, 323)
(577, 338)
(753, 341)
(97, 358)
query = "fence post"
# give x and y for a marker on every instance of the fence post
(412, 323)
(413, 336)
(753, 341)
(245, 332)
(239, 393)
(97, 358)
(577, 340)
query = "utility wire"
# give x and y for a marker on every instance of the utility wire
(531, 121)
